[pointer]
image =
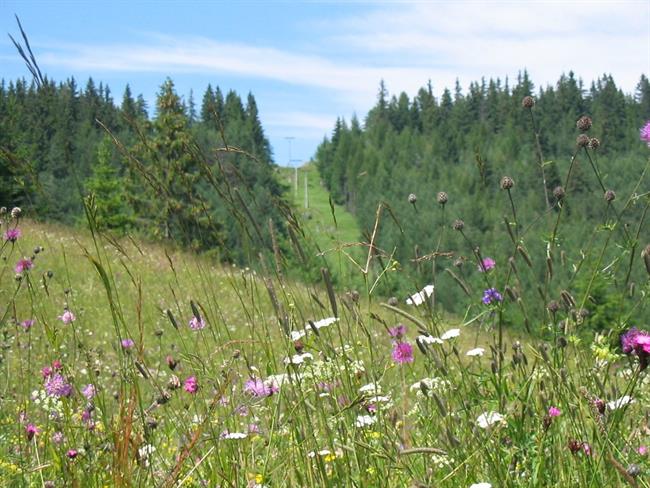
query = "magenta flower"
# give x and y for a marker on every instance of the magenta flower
(72, 453)
(89, 391)
(486, 265)
(55, 385)
(68, 317)
(191, 385)
(22, 265)
(402, 352)
(398, 331)
(554, 412)
(127, 343)
(491, 295)
(645, 133)
(257, 387)
(196, 323)
(637, 342)
(12, 235)
(642, 450)
(31, 430)
(46, 371)
(27, 324)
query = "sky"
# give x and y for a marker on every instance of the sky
(308, 63)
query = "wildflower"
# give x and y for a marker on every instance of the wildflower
(298, 358)
(57, 437)
(458, 225)
(483, 484)
(89, 391)
(637, 342)
(402, 352)
(27, 324)
(507, 183)
(15, 212)
(421, 296)
(298, 334)
(46, 371)
(258, 388)
(127, 343)
(620, 402)
(319, 324)
(196, 323)
(584, 123)
(171, 362)
(475, 352)
(191, 385)
(429, 339)
(491, 295)
(486, 265)
(412, 198)
(442, 197)
(554, 412)
(609, 196)
(12, 235)
(68, 317)
(22, 265)
(582, 140)
(365, 421)
(645, 133)
(642, 450)
(233, 435)
(72, 453)
(55, 385)
(450, 334)
(398, 331)
(31, 430)
(527, 102)
(487, 419)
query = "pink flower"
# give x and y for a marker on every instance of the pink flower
(398, 331)
(486, 265)
(643, 450)
(89, 391)
(554, 412)
(31, 430)
(56, 385)
(72, 453)
(402, 352)
(257, 387)
(645, 133)
(46, 371)
(27, 324)
(68, 317)
(127, 343)
(12, 235)
(197, 323)
(637, 342)
(57, 437)
(191, 385)
(22, 265)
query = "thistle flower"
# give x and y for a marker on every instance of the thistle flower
(637, 342)
(56, 385)
(127, 343)
(402, 352)
(30, 431)
(554, 412)
(398, 331)
(72, 453)
(22, 265)
(27, 324)
(12, 235)
(491, 295)
(644, 133)
(486, 265)
(89, 391)
(259, 388)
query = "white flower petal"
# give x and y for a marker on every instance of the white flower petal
(427, 339)
(475, 352)
(450, 334)
(365, 420)
(487, 419)
(421, 296)
(620, 402)
(481, 485)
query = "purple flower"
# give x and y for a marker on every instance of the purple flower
(191, 385)
(645, 133)
(257, 387)
(196, 323)
(127, 343)
(12, 235)
(486, 265)
(27, 324)
(398, 331)
(24, 264)
(55, 385)
(554, 412)
(46, 371)
(402, 352)
(57, 437)
(637, 342)
(68, 317)
(89, 391)
(490, 295)
(31, 430)
(72, 453)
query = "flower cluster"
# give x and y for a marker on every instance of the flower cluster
(637, 342)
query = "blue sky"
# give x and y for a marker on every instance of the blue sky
(309, 62)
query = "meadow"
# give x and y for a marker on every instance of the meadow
(126, 363)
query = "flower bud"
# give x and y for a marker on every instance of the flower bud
(528, 102)
(507, 183)
(584, 123)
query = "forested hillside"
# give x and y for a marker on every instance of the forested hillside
(463, 144)
(202, 176)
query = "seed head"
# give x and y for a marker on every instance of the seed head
(15, 212)
(528, 102)
(610, 196)
(582, 140)
(442, 197)
(412, 198)
(393, 301)
(584, 123)
(559, 193)
(553, 306)
(507, 183)
(594, 143)
(458, 225)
